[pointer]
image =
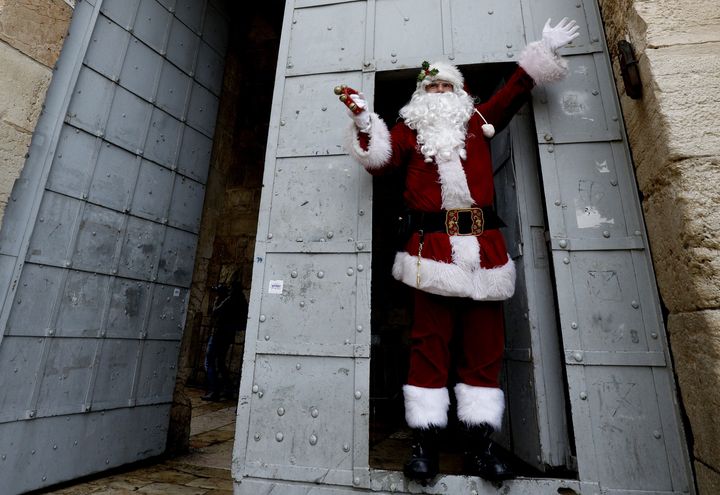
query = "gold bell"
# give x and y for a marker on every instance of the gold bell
(339, 89)
(352, 106)
(343, 98)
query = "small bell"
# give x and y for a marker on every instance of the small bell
(488, 130)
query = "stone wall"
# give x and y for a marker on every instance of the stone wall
(674, 136)
(31, 36)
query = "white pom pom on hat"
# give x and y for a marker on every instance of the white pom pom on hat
(488, 130)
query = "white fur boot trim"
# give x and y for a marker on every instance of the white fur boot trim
(454, 188)
(476, 405)
(426, 407)
(465, 251)
(542, 64)
(379, 148)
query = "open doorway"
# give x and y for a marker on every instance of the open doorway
(535, 431)
(230, 212)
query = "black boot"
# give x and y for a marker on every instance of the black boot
(480, 457)
(423, 464)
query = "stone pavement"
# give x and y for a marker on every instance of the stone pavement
(205, 470)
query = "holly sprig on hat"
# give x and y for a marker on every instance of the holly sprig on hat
(426, 71)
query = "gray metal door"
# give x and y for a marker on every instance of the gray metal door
(97, 246)
(302, 419)
(535, 427)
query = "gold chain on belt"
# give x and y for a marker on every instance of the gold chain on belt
(420, 246)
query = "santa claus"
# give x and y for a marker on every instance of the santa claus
(455, 259)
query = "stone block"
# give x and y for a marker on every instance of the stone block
(695, 343)
(23, 84)
(240, 198)
(165, 488)
(178, 440)
(37, 28)
(213, 483)
(672, 22)
(677, 45)
(14, 144)
(683, 222)
(687, 82)
(708, 480)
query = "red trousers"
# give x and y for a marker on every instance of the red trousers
(482, 341)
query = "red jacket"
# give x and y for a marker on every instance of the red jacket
(463, 266)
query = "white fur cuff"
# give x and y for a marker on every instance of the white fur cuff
(476, 405)
(542, 64)
(426, 407)
(449, 279)
(379, 149)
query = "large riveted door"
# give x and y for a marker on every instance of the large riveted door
(303, 410)
(535, 427)
(99, 241)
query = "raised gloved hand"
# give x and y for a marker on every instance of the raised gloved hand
(356, 104)
(362, 119)
(563, 33)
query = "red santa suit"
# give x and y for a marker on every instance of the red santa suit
(460, 279)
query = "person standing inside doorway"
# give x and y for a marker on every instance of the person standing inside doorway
(229, 314)
(456, 258)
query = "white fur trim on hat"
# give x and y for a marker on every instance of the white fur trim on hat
(449, 279)
(477, 405)
(446, 72)
(426, 407)
(379, 148)
(542, 64)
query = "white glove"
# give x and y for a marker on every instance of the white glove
(362, 119)
(560, 35)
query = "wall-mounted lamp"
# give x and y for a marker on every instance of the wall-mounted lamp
(630, 70)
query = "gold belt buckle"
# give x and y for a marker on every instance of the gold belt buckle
(452, 221)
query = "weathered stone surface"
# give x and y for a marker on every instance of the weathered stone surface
(201, 471)
(85, 489)
(23, 83)
(214, 483)
(109, 491)
(708, 480)
(696, 350)
(670, 22)
(171, 476)
(165, 488)
(683, 223)
(687, 82)
(37, 28)
(213, 420)
(13, 147)
(178, 440)
(218, 455)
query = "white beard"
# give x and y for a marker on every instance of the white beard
(440, 120)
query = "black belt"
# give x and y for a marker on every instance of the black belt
(461, 221)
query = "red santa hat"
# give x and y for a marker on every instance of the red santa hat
(440, 71)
